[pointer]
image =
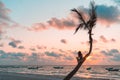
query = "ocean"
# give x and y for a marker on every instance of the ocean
(95, 71)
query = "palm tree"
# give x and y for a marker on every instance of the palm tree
(86, 25)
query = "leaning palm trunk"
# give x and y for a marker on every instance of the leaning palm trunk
(87, 26)
(72, 73)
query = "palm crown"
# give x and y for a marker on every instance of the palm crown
(84, 24)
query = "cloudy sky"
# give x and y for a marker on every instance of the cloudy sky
(41, 32)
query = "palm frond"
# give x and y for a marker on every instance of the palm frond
(79, 27)
(80, 16)
(93, 17)
(86, 25)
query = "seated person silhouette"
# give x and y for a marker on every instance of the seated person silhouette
(80, 56)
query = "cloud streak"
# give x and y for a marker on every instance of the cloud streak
(105, 40)
(60, 24)
(1, 45)
(4, 13)
(41, 47)
(21, 47)
(32, 49)
(11, 55)
(113, 54)
(106, 14)
(52, 54)
(14, 43)
(64, 41)
(25, 58)
(5, 20)
(38, 27)
(110, 14)
(17, 58)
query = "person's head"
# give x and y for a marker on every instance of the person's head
(79, 51)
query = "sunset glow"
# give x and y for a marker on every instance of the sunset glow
(42, 31)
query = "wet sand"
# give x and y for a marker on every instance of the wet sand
(24, 76)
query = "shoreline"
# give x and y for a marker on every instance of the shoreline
(24, 76)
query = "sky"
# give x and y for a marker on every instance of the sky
(42, 32)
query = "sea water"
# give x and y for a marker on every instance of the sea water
(96, 71)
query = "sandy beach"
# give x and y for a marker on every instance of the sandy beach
(19, 76)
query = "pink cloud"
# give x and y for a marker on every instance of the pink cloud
(5, 20)
(14, 43)
(103, 39)
(41, 47)
(21, 47)
(1, 45)
(105, 16)
(32, 49)
(64, 41)
(112, 54)
(113, 40)
(60, 24)
(4, 13)
(38, 27)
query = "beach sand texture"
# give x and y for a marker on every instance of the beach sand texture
(19, 76)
